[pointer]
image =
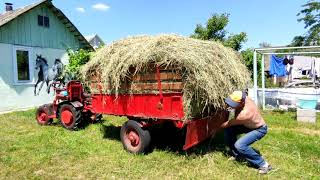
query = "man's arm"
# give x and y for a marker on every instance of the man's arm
(240, 119)
(231, 122)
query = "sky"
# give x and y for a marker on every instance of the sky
(272, 21)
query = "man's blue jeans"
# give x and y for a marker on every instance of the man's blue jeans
(241, 147)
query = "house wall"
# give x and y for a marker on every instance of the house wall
(15, 96)
(24, 30)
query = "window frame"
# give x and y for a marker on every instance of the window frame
(40, 19)
(46, 25)
(16, 81)
(43, 21)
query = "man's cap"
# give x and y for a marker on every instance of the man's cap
(235, 98)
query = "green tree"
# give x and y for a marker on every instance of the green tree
(236, 41)
(76, 60)
(247, 56)
(297, 41)
(310, 16)
(214, 30)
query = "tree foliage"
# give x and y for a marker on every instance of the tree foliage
(76, 60)
(298, 41)
(214, 30)
(247, 56)
(310, 16)
(235, 41)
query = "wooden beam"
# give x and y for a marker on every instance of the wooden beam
(65, 22)
(59, 15)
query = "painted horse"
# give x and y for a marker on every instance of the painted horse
(47, 74)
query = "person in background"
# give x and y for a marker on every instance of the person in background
(247, 120)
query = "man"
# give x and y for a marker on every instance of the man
(247, 120)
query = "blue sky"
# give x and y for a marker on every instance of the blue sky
(272, 21)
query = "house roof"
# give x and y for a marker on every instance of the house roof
(91, 37)
(11, 15)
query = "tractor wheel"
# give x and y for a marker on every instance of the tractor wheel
(42, 114)
(135, 139)
(70, 117)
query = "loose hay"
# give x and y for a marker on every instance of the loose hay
(211, 70)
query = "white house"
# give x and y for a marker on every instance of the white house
(95, 41)
(36, 31)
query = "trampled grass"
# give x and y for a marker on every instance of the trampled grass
(30, 151)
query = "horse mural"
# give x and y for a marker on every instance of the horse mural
(47, 74)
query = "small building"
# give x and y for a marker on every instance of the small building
(95, 41)
(34, 34)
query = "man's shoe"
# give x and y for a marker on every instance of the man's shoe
(238, 159)
(265, 170)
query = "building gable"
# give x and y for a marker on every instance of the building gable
(95, 41)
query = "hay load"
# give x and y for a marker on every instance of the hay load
(208, 70)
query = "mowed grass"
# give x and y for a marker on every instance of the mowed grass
(30, 151)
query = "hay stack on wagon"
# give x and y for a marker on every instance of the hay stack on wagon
(208, 70)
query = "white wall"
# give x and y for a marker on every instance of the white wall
(15, 96)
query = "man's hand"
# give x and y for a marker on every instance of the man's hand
(225, 124)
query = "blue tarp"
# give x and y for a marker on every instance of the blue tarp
(277, 67)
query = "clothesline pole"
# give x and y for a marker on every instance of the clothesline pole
(263, 84)
(255, 83)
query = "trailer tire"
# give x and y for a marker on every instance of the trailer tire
(42, 114)
(135, 139)
(70, 117)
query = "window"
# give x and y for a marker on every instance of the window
(46, 21)
(43, 21)
(40, 20)
(22, 65)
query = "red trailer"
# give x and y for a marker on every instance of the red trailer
(72, 105)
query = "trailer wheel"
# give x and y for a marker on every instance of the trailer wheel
(135, 139)
(70, 117)
(42, 114)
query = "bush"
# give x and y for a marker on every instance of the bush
(76, 60)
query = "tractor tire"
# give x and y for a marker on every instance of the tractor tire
(42, 114)
(70, 117)
(135, 139)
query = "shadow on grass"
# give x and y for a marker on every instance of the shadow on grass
(166, 137)
(111, 132)
(215, 144)
(83, 125)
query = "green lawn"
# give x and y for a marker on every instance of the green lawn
(30, 151)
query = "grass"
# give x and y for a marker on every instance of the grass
(30, 151)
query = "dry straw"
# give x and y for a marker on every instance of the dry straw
(211, 70)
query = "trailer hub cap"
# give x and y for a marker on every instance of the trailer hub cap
(134, 138)
(66, 117)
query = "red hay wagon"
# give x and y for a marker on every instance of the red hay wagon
(72, 106)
